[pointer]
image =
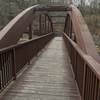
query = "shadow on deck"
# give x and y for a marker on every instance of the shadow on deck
(49, 77)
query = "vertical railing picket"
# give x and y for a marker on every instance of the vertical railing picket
(14, 64)
(30, 31)
(84, 80)
(0, 74)
(40, 27)
(98, 92)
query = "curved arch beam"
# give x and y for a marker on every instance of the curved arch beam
(83, 36)
(11, 33)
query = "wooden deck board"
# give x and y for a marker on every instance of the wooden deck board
(49, 78)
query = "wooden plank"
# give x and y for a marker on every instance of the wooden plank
(49, 78)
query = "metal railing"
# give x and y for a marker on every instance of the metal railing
(83, 55)
(22, 23)
(13, 59)
(86, 70)
(80, 45)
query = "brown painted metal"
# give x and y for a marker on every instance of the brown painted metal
(11, 33)
(53, 8)
(50, 23)
(30, 31)
(82, 50)
(31, 48)
(14, 30)
(40, 26)
(83, 55)
(13, 59)
(86, 70)
(83, 37)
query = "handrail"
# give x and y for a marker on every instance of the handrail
(11, 33)
(83, 55)
(88, 59)
(13, 58)
(86, 70)
(79, 42)
(23, 43)
(78, 27)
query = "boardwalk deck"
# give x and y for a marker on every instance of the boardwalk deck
(48, 78)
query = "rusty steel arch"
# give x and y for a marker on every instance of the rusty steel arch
(11, 33)
(75, 23)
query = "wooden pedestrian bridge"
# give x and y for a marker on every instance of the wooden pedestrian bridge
(51, 66)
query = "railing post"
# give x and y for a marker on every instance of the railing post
(51, 27)
(40, 24)
(84, 79)
(45, 23)
(48, 24)
(75, 64)
(98, 93)
(30, 31)
(96, 89)
(0, 73)
(13, 64)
